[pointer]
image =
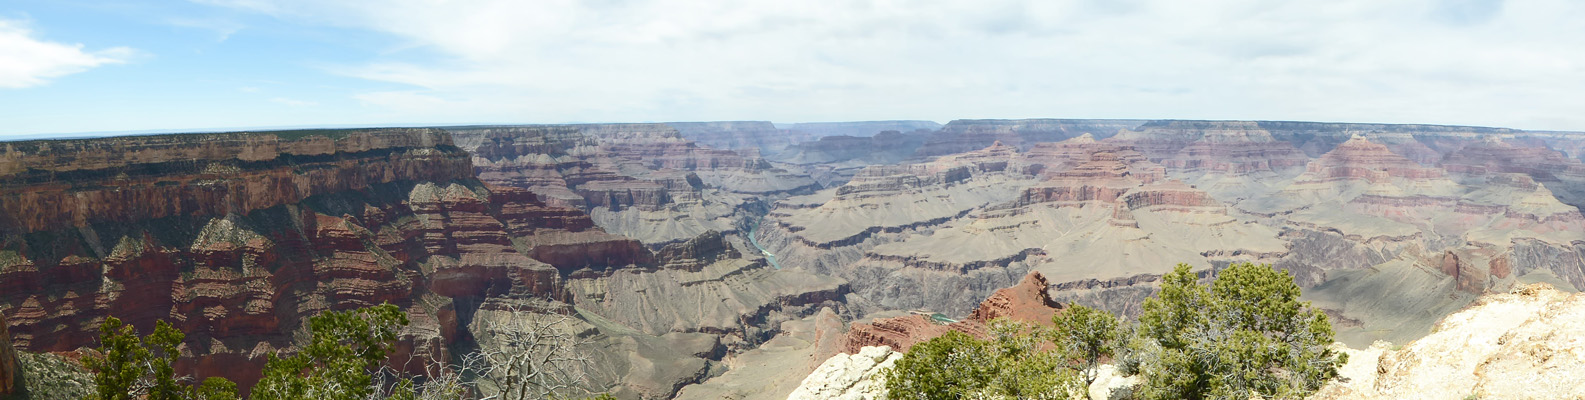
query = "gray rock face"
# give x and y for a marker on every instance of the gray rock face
(1563, 262)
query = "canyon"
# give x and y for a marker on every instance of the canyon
(732, 259)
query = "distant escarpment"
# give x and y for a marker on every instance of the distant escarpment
(645, 181)
(886, 147)
(859, 128)
(967, 135)
(760, 136)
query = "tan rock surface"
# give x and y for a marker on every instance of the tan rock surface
(857, 376)
(1528, 344)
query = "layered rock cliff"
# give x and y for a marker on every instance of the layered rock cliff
(237, 238)
(74, 183)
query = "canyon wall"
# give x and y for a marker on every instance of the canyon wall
(10, 374)
(237, 238)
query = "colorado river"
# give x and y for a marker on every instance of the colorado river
(755, 241)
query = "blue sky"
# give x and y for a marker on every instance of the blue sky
(96, 66)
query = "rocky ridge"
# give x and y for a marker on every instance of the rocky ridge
(849, 377)
(1025, 302)
(1519, 345)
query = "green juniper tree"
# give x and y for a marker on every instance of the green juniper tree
(131, 368)
(1246, 335)
(1087, 335)
(118, 368)
(1012, 365)
(338, 363)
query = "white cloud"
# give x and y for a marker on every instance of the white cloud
(1434, 61)
(293, 102)
(26, 60)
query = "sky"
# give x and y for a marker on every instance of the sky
(71, 66)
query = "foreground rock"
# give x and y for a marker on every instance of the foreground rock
(1521, 345)
(849, 377)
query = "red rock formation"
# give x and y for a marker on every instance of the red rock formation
(54, 184)
(1027, 302)
(1470, 274)
(1161, 140)
(1108, 174)
(1237, 158)
(238, 251)
(1359, 158)
(1495, 156)
(1171, 194)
